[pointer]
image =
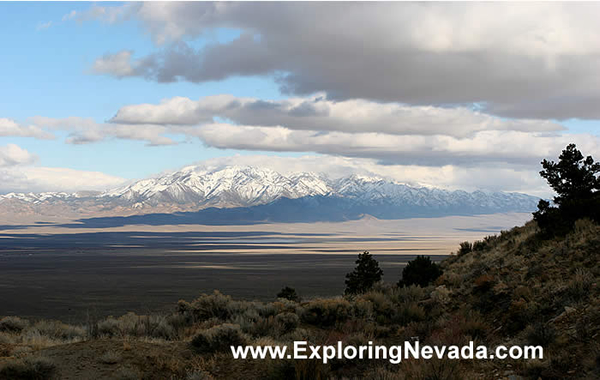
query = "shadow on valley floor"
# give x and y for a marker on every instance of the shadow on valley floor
(72, 285)
(300, 210)
(181, 240)
(282, 211)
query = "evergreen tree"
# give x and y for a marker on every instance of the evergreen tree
(573, 176)
(420, 271)
(364, 276)
(289, 294)
(575, 180)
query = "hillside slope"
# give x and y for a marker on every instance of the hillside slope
(512, 289)
(536, 291)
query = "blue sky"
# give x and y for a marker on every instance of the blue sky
(45, 72)
(49, 68)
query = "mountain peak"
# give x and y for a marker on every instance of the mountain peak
(197, 187)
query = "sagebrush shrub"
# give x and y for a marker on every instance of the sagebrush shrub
(267, 309)
(432, 369)
(465, 247)
(209, 306)
(37, 368)
(13, 324)
(311, 369)
(110, 357)
(479, 245)
(127, 373)
(580, 285)
(219, 338)
(288, 322)
(264, 327)
(475, 326)
(58, 330)
(198, 375)
(409, 313)
(109, 327)
(382, 306)
(484, 282)
(362, 309)
(540, 334)
(408, 294)
(163, 329)
(441, 295)
(327, 312)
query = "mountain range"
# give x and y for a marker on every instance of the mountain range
(267, 194)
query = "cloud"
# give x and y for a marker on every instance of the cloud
(86, 130)
(318, 113)
(38, 179)
(390, 133)
(110, 15)
(500, 147)
(17, 175)
(451, 177)
(118, 65)
(529, 60)
(13, 155)
(69, 16)
(10, 127)
(469, 147)
(44, 25)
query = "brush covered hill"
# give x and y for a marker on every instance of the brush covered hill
(528, 289)
(516, 288)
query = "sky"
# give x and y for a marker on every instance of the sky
(458, 96)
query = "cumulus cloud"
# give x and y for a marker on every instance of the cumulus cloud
(13, 155)
(118, 65)
(10, 127)
(391, 133)
(86, 130)
(451, 177)
(447, 94)
(318, 113)
(507, 147)
(528, 60)
(38, 179)
(18, 175)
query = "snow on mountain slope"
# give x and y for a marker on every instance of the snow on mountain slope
(195, 187)
(231, 186)
(371, 189)
(35, 198)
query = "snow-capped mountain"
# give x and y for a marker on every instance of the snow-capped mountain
(368, 190)
(36, 197)
(193, 188)
(228, 187)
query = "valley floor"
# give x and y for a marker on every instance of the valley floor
(515, 288)
(68, 273)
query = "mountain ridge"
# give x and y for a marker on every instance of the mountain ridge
(195, 188)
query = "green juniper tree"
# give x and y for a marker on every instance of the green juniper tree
(420, 271)
(366, 274)
(575, 180)
(289, 294)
